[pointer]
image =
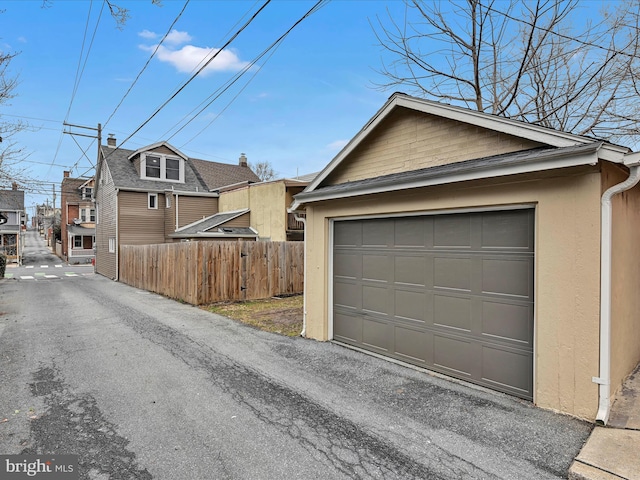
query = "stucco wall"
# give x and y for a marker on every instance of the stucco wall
(566, 273)
(625, 278)
(267, 204)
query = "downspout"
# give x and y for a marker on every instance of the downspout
(304, 275)
(604, 380)
(177, 222)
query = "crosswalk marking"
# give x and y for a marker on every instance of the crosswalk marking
(27, 277)
(58, 266)
(70, 274)
(50, 276)
(8, 275)
(44, 266)
(29, 266)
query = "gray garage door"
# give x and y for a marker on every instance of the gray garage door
(452, 293)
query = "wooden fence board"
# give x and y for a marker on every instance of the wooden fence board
(209, 272)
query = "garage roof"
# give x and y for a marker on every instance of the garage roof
(533, 160)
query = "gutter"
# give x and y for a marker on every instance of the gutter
(303, 333)
(604, 380)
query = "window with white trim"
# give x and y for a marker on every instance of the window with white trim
(112, 244)
(155, 166)
(77, 241)
(152, 201)
(167, 200)
(88, 214)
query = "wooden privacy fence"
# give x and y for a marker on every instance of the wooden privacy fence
(207, 272)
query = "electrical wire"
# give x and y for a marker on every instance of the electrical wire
(206, 64)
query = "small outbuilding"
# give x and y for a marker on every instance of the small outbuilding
(483, 248)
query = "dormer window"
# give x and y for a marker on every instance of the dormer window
(87, 193)
(161, 167)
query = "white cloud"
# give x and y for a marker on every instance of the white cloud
(147, 34)
(189, 57)
(22, 39)
(337, 145)
(175, 37)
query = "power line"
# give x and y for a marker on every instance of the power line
(206, 64)
(274, 46)
(147, 63)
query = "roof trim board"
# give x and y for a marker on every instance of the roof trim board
(488, 167)
(536, 133)
(156, 145)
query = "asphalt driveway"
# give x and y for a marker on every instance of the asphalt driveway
(144, 387)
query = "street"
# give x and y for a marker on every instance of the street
(141, 387)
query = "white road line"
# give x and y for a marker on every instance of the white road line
(50, 276)
(71, 274)
(30, 266)
(58, 266)
(26, 277)
(44, 266)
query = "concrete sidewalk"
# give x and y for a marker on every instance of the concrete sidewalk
(613, 452)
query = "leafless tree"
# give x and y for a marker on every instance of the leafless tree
(263, 170)
(11, 155)
(536, 61)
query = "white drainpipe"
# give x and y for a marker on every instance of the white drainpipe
(304, 276)
(604, 380)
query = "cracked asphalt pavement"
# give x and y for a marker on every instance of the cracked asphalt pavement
(143, 387)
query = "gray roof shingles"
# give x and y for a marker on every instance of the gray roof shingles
(209, 223)
(11, 200)
(200, 175)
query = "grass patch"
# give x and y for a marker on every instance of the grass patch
(275, 315)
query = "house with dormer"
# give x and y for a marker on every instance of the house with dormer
(77, 219)
(145, 196)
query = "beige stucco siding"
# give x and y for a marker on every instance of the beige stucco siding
(138, 224)
(267, 204)
(625, 278)
(566, 270)
(191, 209)
(409, 140)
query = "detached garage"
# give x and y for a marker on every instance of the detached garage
(471, 245)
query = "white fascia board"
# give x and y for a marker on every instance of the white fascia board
(213, 235)
(462, 176)
(186, 193)
(156, 145)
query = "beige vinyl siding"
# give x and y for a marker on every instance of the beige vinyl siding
(106, 226)
(163, 151)
(625, 278)
(136, 164)
(191, 209)
(139, 225)
(408, 140)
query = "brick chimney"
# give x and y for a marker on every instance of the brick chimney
(65, 174)
(243, 160)
(111, 141)
(14, 185)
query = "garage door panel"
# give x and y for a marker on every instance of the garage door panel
(411, 305)
(375, 299)
(507, 277)
(347, 295)
(377, 267)
(413, 345)
(411, 232)
(507, 322)
(507, 230)
(347, 234)
(452, 354)
(377, 334)
(347, 327)
(452, 312)
(452, 293)
(452, 231)
(376, 233)
(503, 368)
(412, 270)
(453, 273)
(347, 265)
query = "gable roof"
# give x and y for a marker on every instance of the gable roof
(536, 133)
(11, 200)
(213, 227)
(72, 188)
(200, 175)
(216, 175)
(156, 145)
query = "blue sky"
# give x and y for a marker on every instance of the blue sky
(300, 107)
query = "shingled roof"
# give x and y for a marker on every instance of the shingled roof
(71, 188)
(11, 200)
(200, 175)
